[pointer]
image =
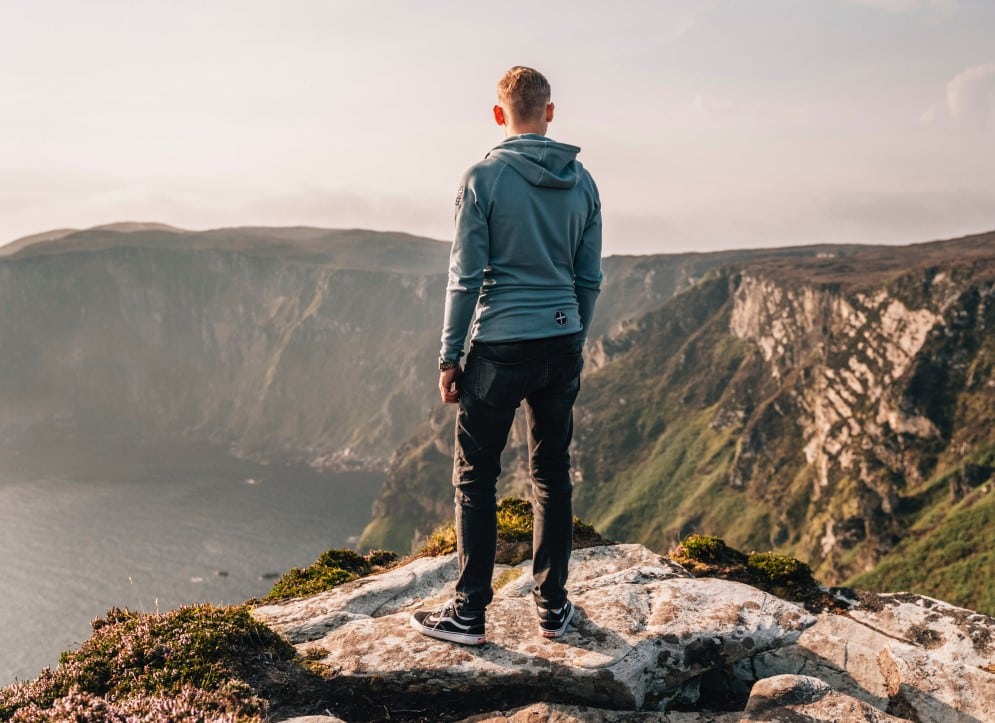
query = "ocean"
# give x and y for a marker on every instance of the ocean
(88, 524)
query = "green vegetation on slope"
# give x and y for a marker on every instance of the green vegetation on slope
(655, 464)
(949, 554)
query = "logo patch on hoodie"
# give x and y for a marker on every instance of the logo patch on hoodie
(459, 196)
(560, 318)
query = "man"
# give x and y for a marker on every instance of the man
(526, 269)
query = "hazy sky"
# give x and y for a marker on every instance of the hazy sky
(707, 123)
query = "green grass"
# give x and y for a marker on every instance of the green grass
(950, 555)
(706, 549)
(331, 569)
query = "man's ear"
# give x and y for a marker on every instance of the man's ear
(499, 115)
(549, 112)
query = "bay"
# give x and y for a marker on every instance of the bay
(88, 522)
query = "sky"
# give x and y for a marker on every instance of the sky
(707, 124)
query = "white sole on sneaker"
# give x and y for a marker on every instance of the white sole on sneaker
(563, 628)
(452, 637)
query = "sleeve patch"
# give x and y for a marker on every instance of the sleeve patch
(459, 196)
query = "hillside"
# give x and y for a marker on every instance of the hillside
(265, 339)
(834, 407)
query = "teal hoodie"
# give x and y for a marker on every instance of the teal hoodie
(526, 260)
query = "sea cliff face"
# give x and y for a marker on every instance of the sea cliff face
(282, 349)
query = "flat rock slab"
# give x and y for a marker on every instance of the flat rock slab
(643, 627)
(804, 698)
(907, 654)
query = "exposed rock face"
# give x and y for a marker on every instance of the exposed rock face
(644, 633)
(906, 654)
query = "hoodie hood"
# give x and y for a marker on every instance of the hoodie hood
(540, 161)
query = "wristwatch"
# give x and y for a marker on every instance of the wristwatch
(447, 364)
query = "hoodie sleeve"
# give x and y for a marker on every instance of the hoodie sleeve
(587, 267)
(469, 255)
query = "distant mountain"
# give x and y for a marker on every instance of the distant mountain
(298, 343)
(835, 405)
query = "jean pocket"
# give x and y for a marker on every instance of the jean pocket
(572, 365)
(495, 383)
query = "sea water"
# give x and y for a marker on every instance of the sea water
(86, 525)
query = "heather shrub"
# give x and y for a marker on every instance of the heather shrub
(195, 663)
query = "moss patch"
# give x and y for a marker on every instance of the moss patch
(780, 575)
(442, 541)
(331, 569)
(702, 550)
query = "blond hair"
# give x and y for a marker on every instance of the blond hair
(525, 92)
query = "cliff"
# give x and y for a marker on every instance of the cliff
(301, 344)
(834, 407)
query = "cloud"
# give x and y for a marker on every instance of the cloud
(971, 97)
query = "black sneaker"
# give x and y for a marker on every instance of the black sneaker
(554, 622)
(447, 623)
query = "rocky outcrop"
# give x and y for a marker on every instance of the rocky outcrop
(650, 643)
(645, 633)
(911, 655)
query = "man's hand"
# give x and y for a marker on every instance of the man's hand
(449, 385)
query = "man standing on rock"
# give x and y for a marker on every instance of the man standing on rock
(525, 268)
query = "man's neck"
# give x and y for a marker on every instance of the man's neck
(521, 130)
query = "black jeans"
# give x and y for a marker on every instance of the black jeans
(545, 374)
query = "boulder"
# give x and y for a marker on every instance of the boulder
(804, 698)
(643, 633)
(906, 654)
